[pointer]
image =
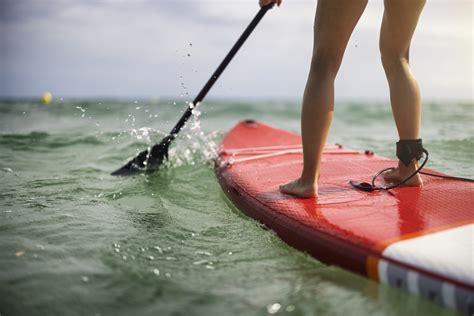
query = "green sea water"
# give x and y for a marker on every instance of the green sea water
(76, 241)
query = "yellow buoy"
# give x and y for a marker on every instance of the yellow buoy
(46, 98)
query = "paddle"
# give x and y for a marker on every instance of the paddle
(150, 159)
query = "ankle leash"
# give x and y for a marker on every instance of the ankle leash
(407, 151)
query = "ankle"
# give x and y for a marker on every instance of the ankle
(412, 167)
(308, 180)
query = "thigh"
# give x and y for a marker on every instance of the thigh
(334, 22)
(398, 25)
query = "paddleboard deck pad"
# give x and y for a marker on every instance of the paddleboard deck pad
(417, 239)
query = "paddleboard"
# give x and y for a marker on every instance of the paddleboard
(417, 239)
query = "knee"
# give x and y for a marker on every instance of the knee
(326, 62)
(393, 60)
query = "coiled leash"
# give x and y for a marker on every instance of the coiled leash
(407, 150)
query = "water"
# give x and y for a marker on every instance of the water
(76, 241)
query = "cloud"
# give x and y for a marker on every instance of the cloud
(140, 48)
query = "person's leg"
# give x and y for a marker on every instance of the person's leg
(334, 22)
(398, 25)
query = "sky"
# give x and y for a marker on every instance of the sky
(169, 48)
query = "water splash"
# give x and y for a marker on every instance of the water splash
(193, 145)
(10, 170)
(83, 110)
(142, 133)
(158, 248)
(273, 308)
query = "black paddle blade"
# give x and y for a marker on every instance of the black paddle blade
(134, 166)
(158, 154)
(148, 161)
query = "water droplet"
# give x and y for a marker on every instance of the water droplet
(137, 108)
(290, 308)
(158, 248)
(205, 253)
(168, 275)
(273, 308)
(156, 272)
(189, 55)
(141, 249)
(85, 279)
(230, 253)
(170, 258)
(199, 262)
(151, 258)
(135, 102)
(117, 250)
(124, 257)
(8, 211)
(210, 267)
(190, 44)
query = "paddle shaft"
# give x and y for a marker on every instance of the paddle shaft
(202, 94)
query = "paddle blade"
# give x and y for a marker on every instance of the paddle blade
(147, 160)
(158, 154)
(134, 166)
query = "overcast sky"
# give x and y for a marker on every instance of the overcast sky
(139, 48)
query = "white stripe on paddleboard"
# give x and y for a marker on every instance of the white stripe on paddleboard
(412, 282)
(447, 253)
(383, 275)
(432, 289)
(448, 291)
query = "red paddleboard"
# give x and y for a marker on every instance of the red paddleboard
(418, 239)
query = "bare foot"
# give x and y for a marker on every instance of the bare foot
(300, 189)
(401, 173)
